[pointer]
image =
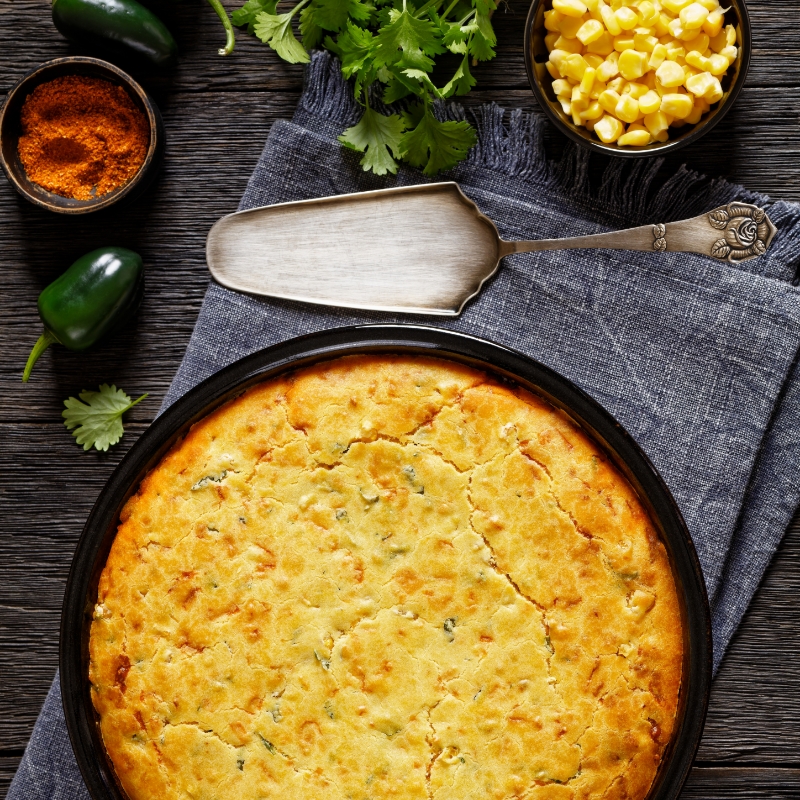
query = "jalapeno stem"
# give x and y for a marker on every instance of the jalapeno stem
(230, 40)
(42, 343)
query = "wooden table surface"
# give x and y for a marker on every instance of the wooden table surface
(218, 112)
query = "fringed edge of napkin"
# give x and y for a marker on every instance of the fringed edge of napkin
(512, 144)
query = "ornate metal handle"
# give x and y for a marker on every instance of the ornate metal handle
(735, 232)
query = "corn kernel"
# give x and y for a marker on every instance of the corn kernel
(607, 70)
(670, 74)
(635, 138)
(644, 43)
(627, 18)
(663, 136)
(635, 90)
(699, 43)
(718, 64)
(718, 42)
(590, 31)
(700, 84)
(730, 33)
(677, 105)
(656, 122)
(632, 64)
(657, 57)
(570, 8)
(598, 89)
(610, 20)
(552, 69)
(649, 80)
(589, 124)
(713, 22)
(675, 53)
(623, 42)
(649, 102)
(550, 40)
(694, 115)
(569, 26)
(594, 111)
(698, 61)
(714, 94)
(551, 20)
(603, 46)
(562, 88)
(711, 5)
(661, 25)
(593, 60)
(647, 13)
(730, 52)
(566, 106)
(557, 59)
(627, 108)
(617, 84)
(608, 129)
(675, 28)
(576, 116)
(693, 16)
(587, 81)
(675, 6)
(573, 66)
(591, 5)
(569, 45)
(608, 100)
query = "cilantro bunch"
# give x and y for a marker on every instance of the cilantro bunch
(388, 50)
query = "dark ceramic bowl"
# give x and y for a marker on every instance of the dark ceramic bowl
(10, 131)
(98, 534)
(542, 84)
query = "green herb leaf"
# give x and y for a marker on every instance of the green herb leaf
(276, 31)
(332, 15)
(480, 48)
(97, 421)
(408, 39)
(246, 15)
(433, 145)
(461, 82)
(378, 137)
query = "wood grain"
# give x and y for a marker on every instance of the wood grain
(218, 112)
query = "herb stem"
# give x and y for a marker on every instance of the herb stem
(42, 343)
(230, 40)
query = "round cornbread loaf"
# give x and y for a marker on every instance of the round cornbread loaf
(386, 577)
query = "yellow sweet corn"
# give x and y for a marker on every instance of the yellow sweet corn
(674, 53)
(718, 64)
(661, 26)
(713, 22)
(607, 70)
(670, 74)
(677, 105)
(649, 102)
(587, 81)
(693, 16)
(551, 20)
(570, 8)
(675, 28)
(557, 59)
(623, 42)
(657, 57)
(714, 94)
(694, 115)
(590, 31)
(627, 18)
(562, 87)
(648, 13)
(716, 43)
(632, 64)
(610, 20)
(644, 42)
(635, 138)
(730, 52)
(608, 100)
(573, 66)
(698, 61)
(566, 106)
(603, 46)
(576, 117)
(711, 5)
(699, 84)
(593, 60)
(570, 45)
(661, 137)
(655, 122)
(627, 108)
(552, 69)
(550, 40)
(569, 26)
(594, 111)
(675, 6)
(730, 33)
(608, 129)
(591, 5)
(617, 84)
(699, 43)
(635, 90)
(598, 89)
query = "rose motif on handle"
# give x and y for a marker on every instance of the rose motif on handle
(659, 242)
(747, 231)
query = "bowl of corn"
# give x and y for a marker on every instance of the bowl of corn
(635, 77)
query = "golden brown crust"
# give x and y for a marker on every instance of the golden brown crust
(386, 577)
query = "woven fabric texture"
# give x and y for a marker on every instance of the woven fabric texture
(697, 358)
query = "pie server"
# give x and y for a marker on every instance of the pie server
(424, 249)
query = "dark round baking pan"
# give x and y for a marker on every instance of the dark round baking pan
(100, 529)
(11, 130)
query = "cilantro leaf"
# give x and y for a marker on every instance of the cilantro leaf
(311, 31)
(333, 14)
(97, 421)
(408, 38)
(276, 31)
(461, 82)
(479, 48)
(354, 47)
(433, 145)
(378, 137)
(246, 15)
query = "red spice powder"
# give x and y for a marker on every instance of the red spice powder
(82, 137)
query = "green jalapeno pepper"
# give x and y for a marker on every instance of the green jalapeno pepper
(100, 291)
(114, 26)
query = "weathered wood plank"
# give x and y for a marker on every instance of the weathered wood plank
(750, 783)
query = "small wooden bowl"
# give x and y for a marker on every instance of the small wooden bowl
(536, 56)
(10, 131)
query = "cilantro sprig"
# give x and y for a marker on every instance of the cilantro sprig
(388, 49)
(97, 421)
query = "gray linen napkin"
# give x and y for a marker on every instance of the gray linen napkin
(695, 357)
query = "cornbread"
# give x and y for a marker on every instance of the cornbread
(386, 577)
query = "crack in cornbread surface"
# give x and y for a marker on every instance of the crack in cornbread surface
(386, 577)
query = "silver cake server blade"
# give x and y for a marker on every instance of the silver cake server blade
(424, 249)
